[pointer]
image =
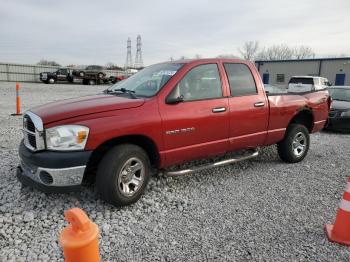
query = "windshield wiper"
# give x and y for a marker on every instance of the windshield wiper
(123, 90)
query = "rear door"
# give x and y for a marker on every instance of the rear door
(197, 127)
(249, 109)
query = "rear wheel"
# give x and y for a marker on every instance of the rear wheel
(295, 145)
(51, 81)
(123, 174)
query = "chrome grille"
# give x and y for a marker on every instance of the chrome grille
(32, 140)
(29, 125)
(33, 132)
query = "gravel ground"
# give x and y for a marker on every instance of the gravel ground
(259, 210)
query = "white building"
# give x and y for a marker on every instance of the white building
(278, 72)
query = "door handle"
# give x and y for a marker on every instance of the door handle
(219, 109)
(259, 104)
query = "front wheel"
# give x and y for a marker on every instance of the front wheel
(123, 174)
(295, 145)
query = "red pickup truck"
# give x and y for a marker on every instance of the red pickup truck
(166, 114)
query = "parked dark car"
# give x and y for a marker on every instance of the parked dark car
(91, 70)
(339, 115)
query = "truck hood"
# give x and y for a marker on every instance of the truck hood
(86, 105)
(340, 105)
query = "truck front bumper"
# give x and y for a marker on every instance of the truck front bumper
(51, 171)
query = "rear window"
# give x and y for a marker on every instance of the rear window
(301, 80)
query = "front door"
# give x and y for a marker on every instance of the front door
(198, 126)
(62, 74)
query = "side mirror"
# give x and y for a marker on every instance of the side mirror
(174, 97)
(174, 100)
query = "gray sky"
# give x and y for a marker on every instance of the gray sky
(95, 32)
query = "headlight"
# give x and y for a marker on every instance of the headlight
(345, 114)
(68, 137)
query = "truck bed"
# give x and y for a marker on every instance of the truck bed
(283, 104)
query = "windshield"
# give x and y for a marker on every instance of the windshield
(149, 80)
(340, 94)
(301, 80)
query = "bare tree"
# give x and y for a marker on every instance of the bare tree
(110, 65)
(282, 51)
(303, 51)
(249, 50)
(184, 57)
(276, 52)
(227, 56)
(49, 63)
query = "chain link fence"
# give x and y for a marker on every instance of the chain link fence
(11, 72)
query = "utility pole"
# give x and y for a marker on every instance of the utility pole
(138, 59)
(128, 62)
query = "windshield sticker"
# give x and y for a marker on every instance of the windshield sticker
(165, 72)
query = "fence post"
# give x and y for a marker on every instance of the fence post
(8, 72)
(35, 72)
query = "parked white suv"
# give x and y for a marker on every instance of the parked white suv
(307, 83)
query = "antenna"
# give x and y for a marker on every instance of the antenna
(138, 59)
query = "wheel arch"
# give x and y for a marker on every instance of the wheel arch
(142, 141)
(304, 116)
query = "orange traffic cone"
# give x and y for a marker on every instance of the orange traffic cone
(340, 231)
(80, 239)
(18, 101)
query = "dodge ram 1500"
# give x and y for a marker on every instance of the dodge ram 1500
(166, 114)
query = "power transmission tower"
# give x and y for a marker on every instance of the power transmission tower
(128, 63)
(138, 59)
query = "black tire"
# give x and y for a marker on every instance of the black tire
(109, 174)
(100, 75)
(291, 151)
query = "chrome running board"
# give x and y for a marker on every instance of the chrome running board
(211, 165)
